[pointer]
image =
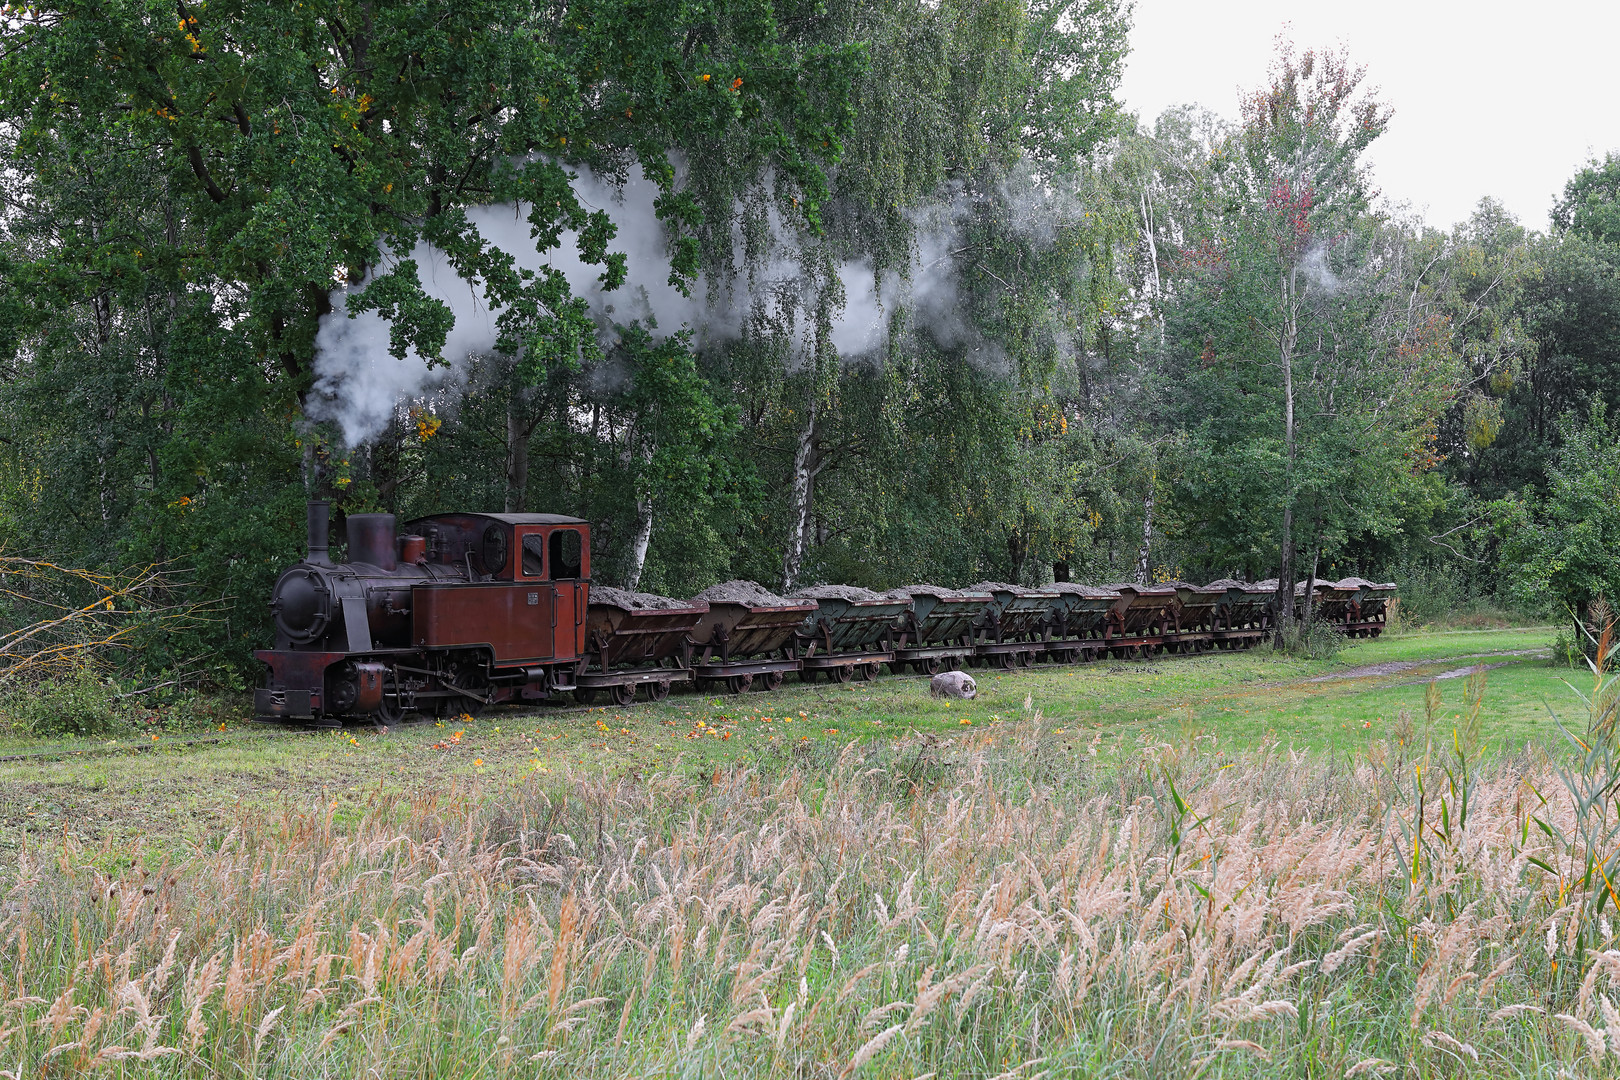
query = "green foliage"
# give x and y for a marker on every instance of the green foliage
(1562, 550)
(80, 704)
(1289, 350)
(1315, 640)
(1590, 207)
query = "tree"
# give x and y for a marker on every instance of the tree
(1590, 207)
(962, 101)
(1564, 548)
(185, 191)
(1306, 379)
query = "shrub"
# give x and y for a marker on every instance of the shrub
(1315, 640)
(77, 703)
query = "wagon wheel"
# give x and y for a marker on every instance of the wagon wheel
(807, 674)
(873, 670)
(702, 684)
(1007, 661)
(623, 693)
(773, 680)
(658, 691)
(1024, 659)
(740, 684)
(584, 695)
(933, 665)
(390, 710)
(955, 663)
(841, 673)
(898, 667)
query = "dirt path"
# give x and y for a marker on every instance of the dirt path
(1397, 667)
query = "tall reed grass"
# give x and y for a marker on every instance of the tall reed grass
(993, 906)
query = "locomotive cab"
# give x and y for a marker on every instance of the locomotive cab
(523, 596)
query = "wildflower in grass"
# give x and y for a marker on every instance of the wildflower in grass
(478, 761)
(965, 722)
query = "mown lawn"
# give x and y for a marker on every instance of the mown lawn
(172, 790)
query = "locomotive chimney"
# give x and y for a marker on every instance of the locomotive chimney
(371, 540)
(318, 520)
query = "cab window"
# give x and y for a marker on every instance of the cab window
(534, 555)
(565, 553)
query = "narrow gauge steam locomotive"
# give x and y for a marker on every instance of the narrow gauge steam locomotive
(462, 611)
(457, 612)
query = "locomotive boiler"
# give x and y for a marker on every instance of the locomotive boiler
(451, 614)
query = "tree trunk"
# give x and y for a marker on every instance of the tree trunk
(1145, 552)
(1153, 258)
(517, 454)
(638, 546)
(804, 468)
(1286, 342)
(1060, 571)
(1310, 581)
(1017, 551)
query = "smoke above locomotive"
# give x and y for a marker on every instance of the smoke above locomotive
(360, 385)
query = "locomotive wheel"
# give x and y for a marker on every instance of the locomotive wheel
(740, 684)
(623, 694)
(773, 679)
(840, 674)
(390, 711)
(466, 675)
(658, 691)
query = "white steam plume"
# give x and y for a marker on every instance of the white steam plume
(359, 386)
(1314, 264)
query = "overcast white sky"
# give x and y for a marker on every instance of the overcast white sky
(1490, 98)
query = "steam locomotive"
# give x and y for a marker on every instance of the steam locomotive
(457, 612)
(454, 613)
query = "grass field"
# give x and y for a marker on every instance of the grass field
(1204, 866)
(173, 790)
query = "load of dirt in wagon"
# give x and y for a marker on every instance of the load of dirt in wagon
(635, 601)
(906, 592)
(853, 593)
(749, 593)
(1079, 590)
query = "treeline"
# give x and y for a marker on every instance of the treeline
(1093, 349)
